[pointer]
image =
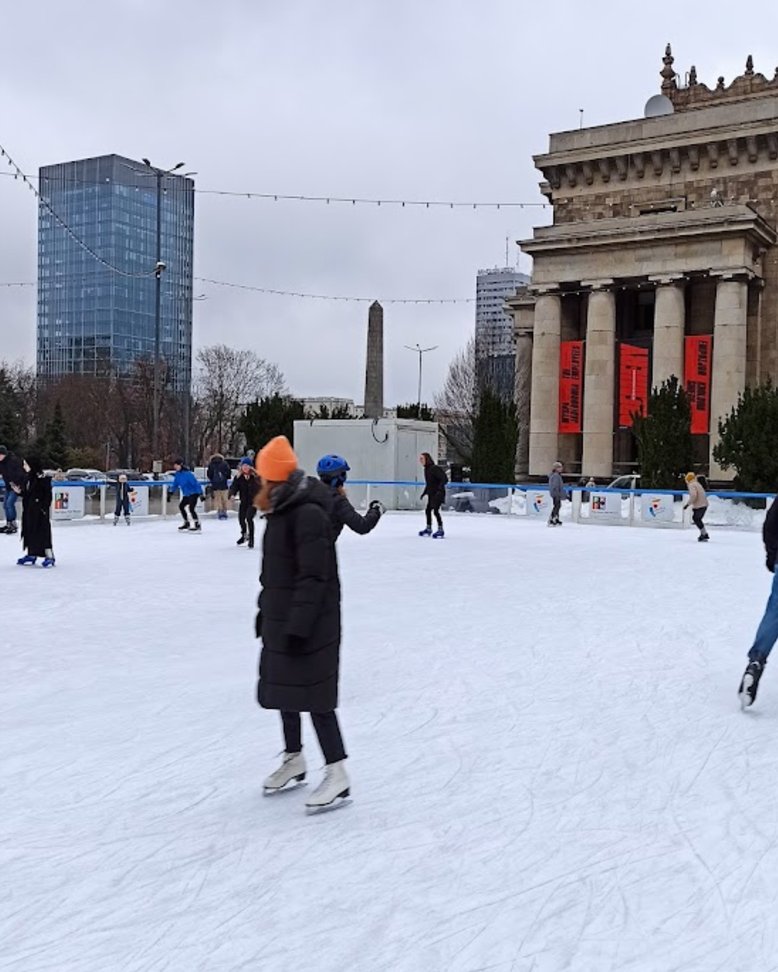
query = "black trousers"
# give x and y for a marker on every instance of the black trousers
(698, 516)
(556, 505)
(327, 730)
(246, 520)
(122, 506)
(433, 506)
(189, 503)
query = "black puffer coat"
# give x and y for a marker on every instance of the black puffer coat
(245, 488)
(299, 604)
(344, 514)
(435, 483)
(11, 470)
(36, 514)
(770, 535)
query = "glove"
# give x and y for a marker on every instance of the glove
(377, 505)
(258, 625)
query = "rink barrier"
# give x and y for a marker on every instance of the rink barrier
(653, 508)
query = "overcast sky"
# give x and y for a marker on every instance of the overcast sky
(441, 99)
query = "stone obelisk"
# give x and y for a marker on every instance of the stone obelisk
(374, 372)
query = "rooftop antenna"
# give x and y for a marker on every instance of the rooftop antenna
(507, 250)
(580, 119)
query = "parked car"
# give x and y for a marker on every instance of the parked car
(631, 481)
(89, 474)
(132, 474)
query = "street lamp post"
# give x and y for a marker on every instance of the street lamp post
(159, 267)
(421, 352)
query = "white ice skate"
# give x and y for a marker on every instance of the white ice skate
(291, 771)
(332, 792)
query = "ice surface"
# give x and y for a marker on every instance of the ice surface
(549, 766)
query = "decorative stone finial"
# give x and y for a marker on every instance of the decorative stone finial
(693, 75)
(667, 73)
(720, 85)
(749, 67)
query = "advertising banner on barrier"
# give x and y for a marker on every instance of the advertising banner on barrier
(697, 365)
(633, 383)
(139, 500)
(605, 505)
(538, 503)
(571, 386)
(67, 502)
(656, 509)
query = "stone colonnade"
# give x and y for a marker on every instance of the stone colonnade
(728, 372)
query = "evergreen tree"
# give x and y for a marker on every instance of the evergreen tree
(10, 421)
(664, 436)
(749, 440)
(413, 411)
(496, 435)
(56, 439)
(268, 417)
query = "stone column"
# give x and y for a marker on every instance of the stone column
(523, 397)
(669, 329)
(374, 368)
(599, 381)
(728, 376)
(544, 417)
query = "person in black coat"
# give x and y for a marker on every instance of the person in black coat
(123, 500)
(36, 515)
(218, 474)
(767, 633)
(13, 476)
(435, 490)
(246, 486)
(333, 472)
(299, 619)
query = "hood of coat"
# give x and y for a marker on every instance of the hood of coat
(299, 489)
(217, 457)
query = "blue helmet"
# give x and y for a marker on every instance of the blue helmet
(332, 470)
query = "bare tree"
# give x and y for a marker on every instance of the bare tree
(227, 380)
(456, 405)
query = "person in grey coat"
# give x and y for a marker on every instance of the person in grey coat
(556, 488)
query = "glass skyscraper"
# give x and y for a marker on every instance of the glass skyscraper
(93, 320)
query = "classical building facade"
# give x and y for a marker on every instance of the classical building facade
(661, 261)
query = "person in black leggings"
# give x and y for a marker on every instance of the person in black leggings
(435, 490)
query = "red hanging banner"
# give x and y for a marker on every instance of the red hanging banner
(571, 386)
(633, 383)
(697, 366)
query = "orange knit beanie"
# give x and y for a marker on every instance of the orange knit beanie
(276, 461)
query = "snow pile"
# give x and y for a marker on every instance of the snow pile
(550, 769)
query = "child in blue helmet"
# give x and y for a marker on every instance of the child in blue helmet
(332, 472)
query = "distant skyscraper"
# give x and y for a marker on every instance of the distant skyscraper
(494, 341)
(92, 320)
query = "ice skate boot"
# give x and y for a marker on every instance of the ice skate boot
(184, 526)
(48, 562)
(115, 520)
(10, 527)
(251, 543)
(291, 771)
(703, 537)
(26, 561)
(332, 792)
(242, 540)
(438, 534)
(426, 532)
(127, 520)
(749, 683)
(197, 526)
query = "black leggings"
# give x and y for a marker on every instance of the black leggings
(246, 520)
(433, 506)
(327, 730)
(189, 503)
(698, 516)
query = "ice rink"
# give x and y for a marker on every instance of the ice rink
(550, 769)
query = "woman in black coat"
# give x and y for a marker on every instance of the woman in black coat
(36, 516)
(299, 620)
(246, 486)
(435, 490)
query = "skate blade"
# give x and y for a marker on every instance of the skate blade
(745, 698)
(286, 788)
(336, 804)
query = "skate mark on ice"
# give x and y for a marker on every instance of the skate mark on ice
(705, 761)
(422, 725)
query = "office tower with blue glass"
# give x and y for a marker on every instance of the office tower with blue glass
(97, 310)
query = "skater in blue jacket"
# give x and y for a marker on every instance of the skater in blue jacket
(191, 491)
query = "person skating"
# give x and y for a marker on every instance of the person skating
(435, 490)
(299, 621)
(36, 515)
(698, 502)
(218, 474)
(246, 486)
(123, 503)
(13, 476)
(556, 489)
(191, 491)
(332, 471)
(767, 632)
